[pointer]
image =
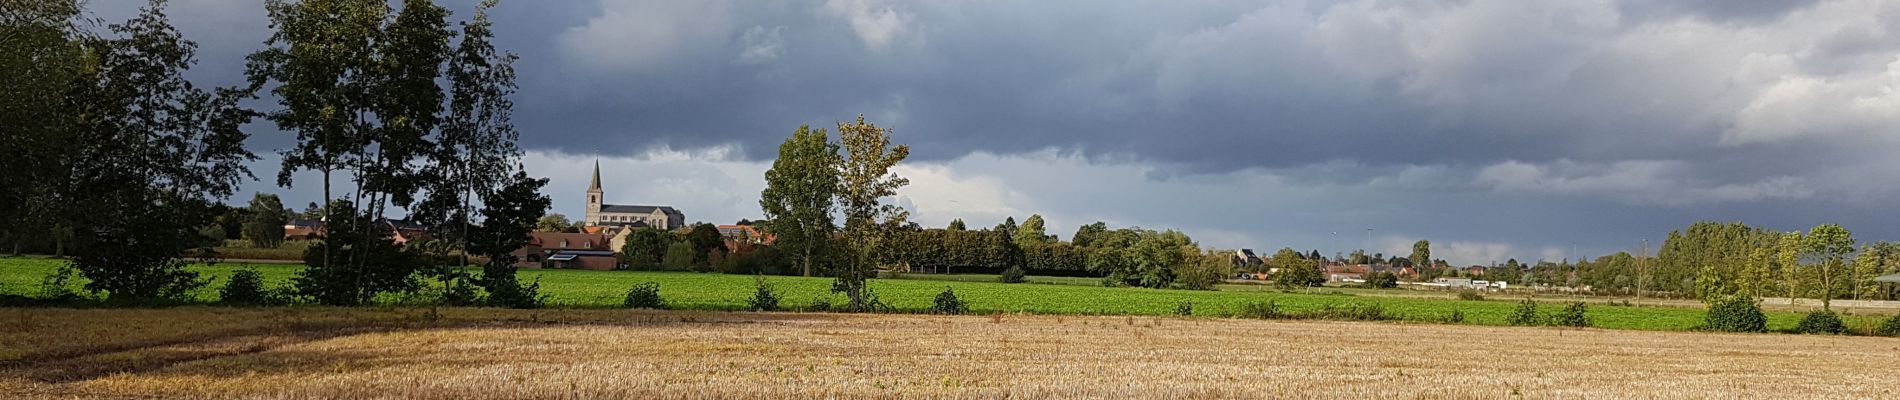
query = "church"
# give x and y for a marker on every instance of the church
(599, 214)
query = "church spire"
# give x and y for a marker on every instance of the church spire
(595, 186)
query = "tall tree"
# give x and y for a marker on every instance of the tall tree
(475, 154)
(1830, 244)
(1085, 235)
(956, 225)
(552, 222)
(1421, 254)
(41, 53)
(799, 193)
(1007, 227)
(265, 228)
(1788, 249)
(865, 177)
(1032, 232)
(149, 157)
(508, 215)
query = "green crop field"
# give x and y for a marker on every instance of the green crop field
(706, 291)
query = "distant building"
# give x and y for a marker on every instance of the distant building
(301, 229)
(599, 214)
(745, 234)
(566, 250)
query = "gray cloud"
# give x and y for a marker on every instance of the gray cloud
(1523, 124)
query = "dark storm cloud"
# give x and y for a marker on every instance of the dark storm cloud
(1520, 124)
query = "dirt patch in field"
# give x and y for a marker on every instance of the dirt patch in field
(459, 354)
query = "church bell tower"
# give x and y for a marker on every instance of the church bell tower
(593, 197)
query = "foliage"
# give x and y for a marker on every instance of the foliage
(1524, 314)
(1421, 254)
(865, 177)
(1470, 295)
(508, 215)
(799, 193)
(1294, 270)
(371, 264)
(1889, 327)
(764, 297)
(553, 222)
(1573, 315)
(1013, 275)
(1184, 309)
(645, 248)
(1260, 310)
(1821, 322)
(679, 257)
(1086, 234)
(1830, 244)
(1736, 314)
(1205, 270)
(1382, 280)
(644, 295)
(947, 303)
(1031, 232)
(265, 229)
(246, 286)
(705, 239)
(57, 285)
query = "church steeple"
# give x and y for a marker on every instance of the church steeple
(593, 198)
(595, 187)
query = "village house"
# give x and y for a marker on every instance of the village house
(567, 250)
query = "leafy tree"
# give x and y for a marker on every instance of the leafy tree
(1421, 253)
(1294, 270)
(706, 240)
(866, 176)
(1204, 270)
(150, 157)
(553, 222)
(799, 193)
(372, 265)
(679, 256)
(508, 215)
(1007, 227)
(1382, 280)
(1032, 232)
(1735, 314)
(956, 225)
(644, 248)
(266, 226)
(1788, 249)
(1085, 235)
(1831, 244)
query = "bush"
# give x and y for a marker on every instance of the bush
(1572, 315)
(820, 303)
(57, 286)
(645, 295)
(1472, 295)
(1735, 314)
(1382, 280)
(948, 304)
(1524, 315)
(1351, 312)
(1890, 327)
(1821, 322)
(1456, 317)
(246, 287)
(1185, 308)
(1260, 310)
(1013, 275)
(458, 292)
(763, 299)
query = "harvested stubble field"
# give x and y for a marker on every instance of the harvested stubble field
(480, 353)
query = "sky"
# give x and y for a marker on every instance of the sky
(1528, 129)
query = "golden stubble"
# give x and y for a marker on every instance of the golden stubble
(456, 354)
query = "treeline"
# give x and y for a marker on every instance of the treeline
(108, 146)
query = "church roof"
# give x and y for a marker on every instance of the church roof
(595, 186)
(633, 209)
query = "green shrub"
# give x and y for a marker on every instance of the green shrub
(1013, 275)
(1524, 315)
(246, 286)
(1470, 295)
(820, 303)
(1735, 314)
(764, 298)
(1382, 280)
(1185, 308)
(57, 286)
(1456, 317)
(947, 303)
(1350, 312)
(1573, 315)
(458, 292)
(1821, 322)
(645, 295)
(1889, 327)
(1260, 310)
